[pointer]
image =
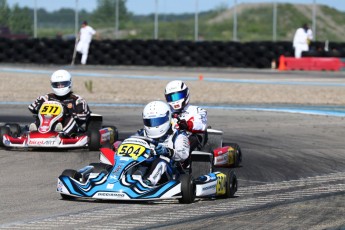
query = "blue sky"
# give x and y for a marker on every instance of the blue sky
(165, 6)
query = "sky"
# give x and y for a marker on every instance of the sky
(164, 6)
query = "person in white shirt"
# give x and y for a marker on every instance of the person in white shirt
(85, 38)
(301, 40)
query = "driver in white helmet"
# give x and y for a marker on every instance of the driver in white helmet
(77, 109)
(173, 145)
(191, 118)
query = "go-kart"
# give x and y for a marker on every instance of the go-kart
(91, 135)
(227, 155)
(119, 176)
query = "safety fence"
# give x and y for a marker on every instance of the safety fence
(159, 52)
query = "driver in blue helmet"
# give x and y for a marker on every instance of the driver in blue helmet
(173, 145)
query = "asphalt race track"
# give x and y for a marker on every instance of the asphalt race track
(292, 177)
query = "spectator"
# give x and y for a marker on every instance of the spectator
(85, 38)
(302, 39)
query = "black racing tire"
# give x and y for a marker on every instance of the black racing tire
(188, 189)
(3, 130)
(72, 174)
(15, 129)
(94, 135)
(94, 142)
(99, 167)
(238, 154)
(231, 184)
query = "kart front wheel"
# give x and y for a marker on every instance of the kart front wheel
(231, 183)
(187, 189)
(72, 174)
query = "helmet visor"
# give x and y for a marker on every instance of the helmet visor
(61, 84)
(171, 97)
(157, 121)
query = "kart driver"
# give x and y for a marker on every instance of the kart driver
(77, 109)
(173, 144)
(192, 119)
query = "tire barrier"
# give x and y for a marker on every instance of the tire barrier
(160, 52)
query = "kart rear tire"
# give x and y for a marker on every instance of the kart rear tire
(3, 130)
(231, 183)
(73, 174)
(187, 189)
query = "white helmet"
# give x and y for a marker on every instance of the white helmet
(177, 95)
(61, 82)
(157, 119)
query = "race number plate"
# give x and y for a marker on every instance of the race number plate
(132, 150)
(51, 109)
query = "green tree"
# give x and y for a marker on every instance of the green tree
(104, 14)
(21, 20)
(4, 13)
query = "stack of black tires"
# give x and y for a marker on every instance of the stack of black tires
(159, 52)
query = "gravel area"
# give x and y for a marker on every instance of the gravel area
(26, 86)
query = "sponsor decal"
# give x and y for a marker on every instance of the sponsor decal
(117, 169)
(111, 194)
(124, 158)
(43, 142)
(69, 105)
(209, 187)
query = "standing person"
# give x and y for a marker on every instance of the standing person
(192, 119)
(85, 38)
(173, 144)
(302, 39)
(77, 112)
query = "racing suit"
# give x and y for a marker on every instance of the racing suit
(76, 115)
(178, 146)
(193, 119)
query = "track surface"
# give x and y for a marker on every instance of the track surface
(292, 177)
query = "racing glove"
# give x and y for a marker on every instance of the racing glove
(161, 150)
(185, 125)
